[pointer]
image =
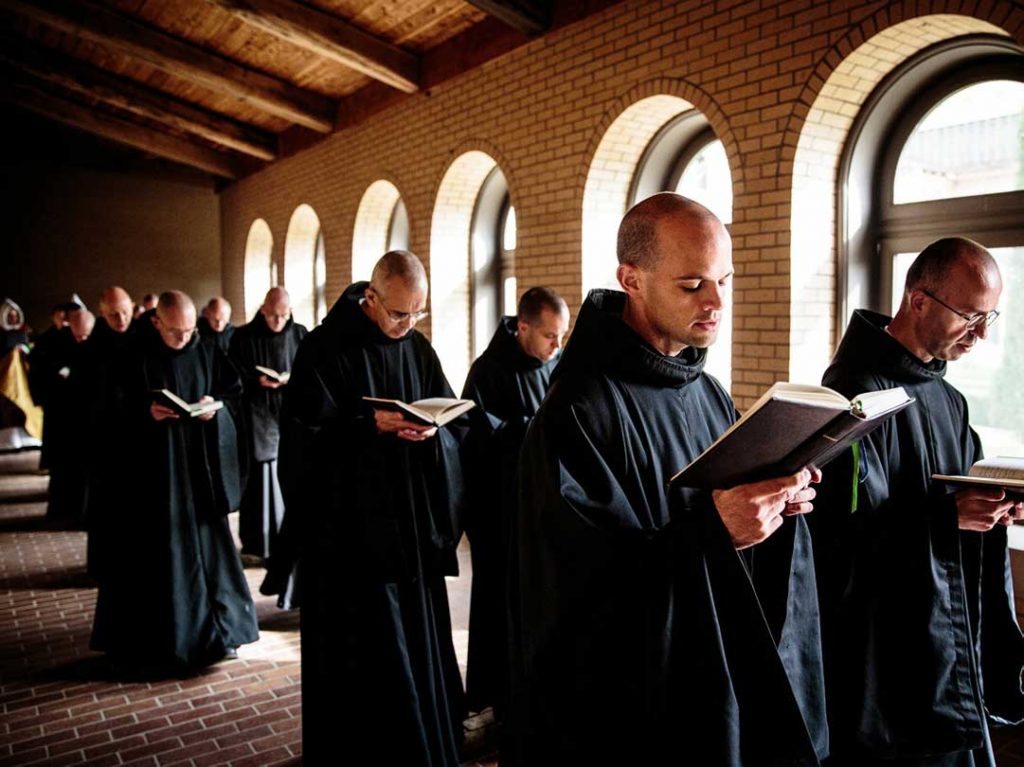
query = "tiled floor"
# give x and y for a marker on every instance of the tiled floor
(59, 705)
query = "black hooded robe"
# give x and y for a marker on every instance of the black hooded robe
(508, 385)
(375, 519)
(177, 594)
(910, 603)
(262, 506)
(639, 635)
(222, 339)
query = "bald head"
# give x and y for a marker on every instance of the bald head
(276, 309)
(116, 308)
(949, 258)
(640, 230)
(399, 267)
(217, 313)
(81, 323)
(175, 318)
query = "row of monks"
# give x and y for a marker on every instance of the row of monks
(853, 615)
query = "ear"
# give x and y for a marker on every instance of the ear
(521, 326)
(629, 278)
(155, 320)
(917, 300)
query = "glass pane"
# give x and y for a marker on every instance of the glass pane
(508, 230)
(509, 303)
(398, 232)
(320, 279)
(970, 143)
(707, 180)
(990, 375)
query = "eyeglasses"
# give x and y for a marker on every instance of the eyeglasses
(972, 320)
(397, 316)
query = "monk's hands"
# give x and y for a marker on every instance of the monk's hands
(206, 416)
(270, 383)
(754, 511)
(161, 413)
(393, 423)
(981, 509)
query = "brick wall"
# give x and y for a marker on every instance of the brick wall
(780, 83)
(76, 229)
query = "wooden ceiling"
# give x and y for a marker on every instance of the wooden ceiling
(227, 86)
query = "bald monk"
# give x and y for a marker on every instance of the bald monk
(106, 352)
(66, 424)
(216, 322)
(269, 340)
(373, 499)
(179, 597)
(653, 624)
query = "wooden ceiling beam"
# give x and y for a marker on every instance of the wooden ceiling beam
(180, 59)
(93, 83)
(122, 131)
(330, 37)
(531, 17)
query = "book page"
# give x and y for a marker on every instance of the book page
(1003, 467)
(435, 406)
(873, 403)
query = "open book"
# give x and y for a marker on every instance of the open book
(435, 411)
(791, 426)
(274, 375)
(167, 398)
(1005, 472)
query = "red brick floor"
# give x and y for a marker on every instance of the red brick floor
(60, 706)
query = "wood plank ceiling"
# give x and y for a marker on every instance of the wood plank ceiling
(227, 86)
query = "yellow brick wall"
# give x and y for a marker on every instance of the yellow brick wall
(780, 83)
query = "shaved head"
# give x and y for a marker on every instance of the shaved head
(175, 318)
(116, 308)
(401, 267)
(276, 309)
(81, 322)
(217, 313)
(638, 233)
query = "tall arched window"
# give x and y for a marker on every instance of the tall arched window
(944, 137)
(303, 248)
(686, 157)
(382, 224)
(259, 269)
(493, 256)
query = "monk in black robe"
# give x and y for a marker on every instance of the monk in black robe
(919, 631)
(107, 353)
(649, 624)
(216, 324)
(179, 596)
(270, 340)
(62, 384)
(373, 498)
(508, 382)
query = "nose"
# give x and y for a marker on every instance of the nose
(981, 330)
(715, 297)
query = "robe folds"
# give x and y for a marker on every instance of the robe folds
(107, 356)
(376, 521)
(262, 507)
(508, 386)
(639, 635)
(920, 637)
(177, 594)
(61, 375)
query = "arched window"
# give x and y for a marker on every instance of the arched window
(259, 274)
(465, 260)
(493, 256)
(685, 156)
(303, 262)
(944, 139)
(382, 224)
